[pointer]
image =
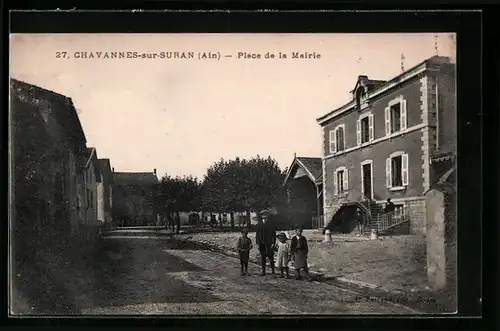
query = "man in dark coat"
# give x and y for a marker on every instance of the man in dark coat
(266, 240)
(389, 206)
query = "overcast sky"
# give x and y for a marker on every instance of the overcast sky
(181, 115)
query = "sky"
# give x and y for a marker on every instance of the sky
(179, 116)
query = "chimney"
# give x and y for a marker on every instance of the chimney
(154, 171)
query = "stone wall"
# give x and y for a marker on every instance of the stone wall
(441, 240)
(416, 213)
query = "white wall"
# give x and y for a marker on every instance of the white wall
(100, 203)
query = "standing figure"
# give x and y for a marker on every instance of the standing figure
(177, 223)
(299, 250)
(389, 210)
(266, 240)
(244, 246)
(284, 253)
(359, 222)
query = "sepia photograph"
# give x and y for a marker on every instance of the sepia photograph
(232, 174)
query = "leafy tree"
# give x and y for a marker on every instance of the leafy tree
(176, 194)
(243, 185)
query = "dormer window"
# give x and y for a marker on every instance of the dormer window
(359, 94)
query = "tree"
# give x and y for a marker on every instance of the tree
(244, 185)
(176, 194)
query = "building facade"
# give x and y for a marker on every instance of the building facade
(105, 192)
(46, 137)
(381, 144)
(134, 198)
(304, 183)
(87, 192)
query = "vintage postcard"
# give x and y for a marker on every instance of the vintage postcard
(232, 174)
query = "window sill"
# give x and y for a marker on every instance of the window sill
(365, 144)
(397, 188)
(341, 195)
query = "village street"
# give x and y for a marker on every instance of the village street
(151, 276)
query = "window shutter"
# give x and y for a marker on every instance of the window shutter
(335, 183)
(346, 179)
(370, 127)
(362, 181)
(333, 145)
(388, 173)
(404, 169)
(403, 115)
(358, 132)
(387, 121)
(341, 138)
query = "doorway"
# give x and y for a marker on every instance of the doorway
(367, 179)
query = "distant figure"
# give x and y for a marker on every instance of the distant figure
(284, 254)
(177, 223)
(389, 206)
(266, 240)
(359, 222)
(244, 245)
(300, 250)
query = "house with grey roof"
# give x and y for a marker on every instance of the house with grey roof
(304, 182)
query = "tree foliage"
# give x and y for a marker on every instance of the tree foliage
(243, 185)
(177, 194)
(228, 186)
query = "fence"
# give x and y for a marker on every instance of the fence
(386, 221)
(318, 222)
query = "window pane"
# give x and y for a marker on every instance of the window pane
(397, 179)
(396, 118)
(365, 133)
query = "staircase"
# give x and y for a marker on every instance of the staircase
(387, 223)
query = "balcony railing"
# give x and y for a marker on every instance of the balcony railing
(384, 222)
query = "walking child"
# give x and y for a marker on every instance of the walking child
(244, 246)
(284, 253)
(299, 250)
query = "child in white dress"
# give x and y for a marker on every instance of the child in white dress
(284, 255)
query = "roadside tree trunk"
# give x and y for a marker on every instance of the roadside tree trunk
(249, 219)
(232, 220)
(220, 221)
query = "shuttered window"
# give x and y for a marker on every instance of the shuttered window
(341, 180)
(337, 139)
(332, 142)
(397, 175)
(396, 119)
(364, 129)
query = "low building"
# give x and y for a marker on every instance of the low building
(304, 182)
(381, 144)
(46, 137)
(134, 195)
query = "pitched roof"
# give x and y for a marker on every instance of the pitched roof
(369, 83)
(382, 87)
(313, 166)
(104, 166)
(63, 108)
(127, 178)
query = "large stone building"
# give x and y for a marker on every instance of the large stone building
(134, 195)
(394, 139)
(46, 139)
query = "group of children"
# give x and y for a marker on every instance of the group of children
(297, 250)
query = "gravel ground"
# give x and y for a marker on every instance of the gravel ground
(391, 263)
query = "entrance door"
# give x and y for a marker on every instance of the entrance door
(367, 180)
